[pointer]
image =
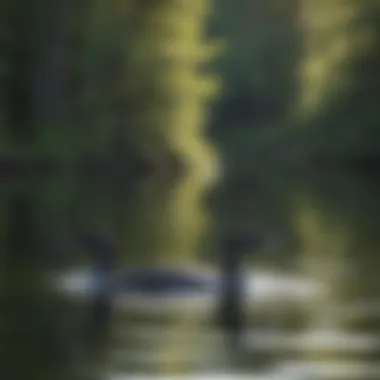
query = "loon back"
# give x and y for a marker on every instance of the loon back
(163, 280)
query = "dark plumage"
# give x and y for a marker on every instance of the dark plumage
(230, 314)
(162, 280)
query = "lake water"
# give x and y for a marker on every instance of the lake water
(322, 231)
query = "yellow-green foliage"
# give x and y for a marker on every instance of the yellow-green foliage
(338, 81)
(166, 97)
(331, 40)
(163, 69)
(141, 64)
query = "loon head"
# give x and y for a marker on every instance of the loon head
(102, 250)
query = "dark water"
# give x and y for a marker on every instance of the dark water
(323, 225)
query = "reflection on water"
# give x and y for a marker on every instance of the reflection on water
(313, 296)
(263, 288)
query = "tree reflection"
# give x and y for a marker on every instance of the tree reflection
(335, 218)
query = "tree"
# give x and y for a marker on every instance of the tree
(338, 84)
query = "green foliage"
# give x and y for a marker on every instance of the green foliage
(263, 46)
(338, 82)
(299, 76)
(167, 92)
